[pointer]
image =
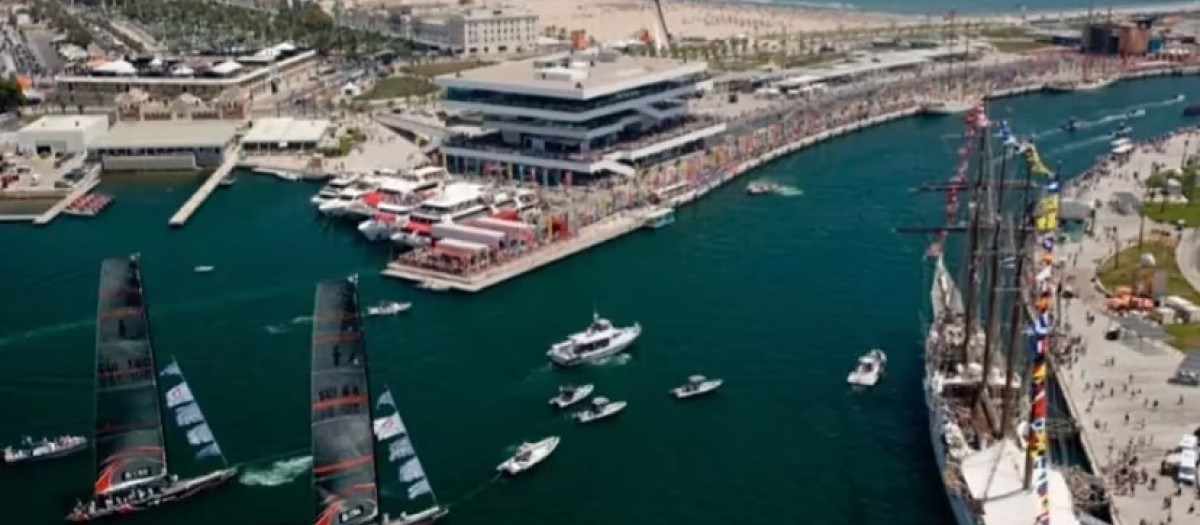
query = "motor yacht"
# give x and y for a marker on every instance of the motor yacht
(947, 107)
(696, 385)
(761, 188)
(37, 450)
(203, 269)
(382, 226)
(350, 201)
(601, 408)
(387, 308)
(335, 186)
(570, 394)
(528, 455)
(1074, 86)
(869, 370)
(456, 202)
(600, 340)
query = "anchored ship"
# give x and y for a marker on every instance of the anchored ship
(986, 402)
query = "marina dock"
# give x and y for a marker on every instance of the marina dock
(214, 180)
(1118, 390)
(592, 235)
(84, 186)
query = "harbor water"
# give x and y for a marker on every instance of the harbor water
(776, 294)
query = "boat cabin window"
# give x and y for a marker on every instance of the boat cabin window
(588, 346)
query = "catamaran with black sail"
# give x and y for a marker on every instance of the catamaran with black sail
(343, 431)
(131, 453)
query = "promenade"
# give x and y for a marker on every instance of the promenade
(1130, 416)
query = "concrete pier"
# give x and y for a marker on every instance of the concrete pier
(590, 236)
(193, 203)
(1118, 390)
(82, 188)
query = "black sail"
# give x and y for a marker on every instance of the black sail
(129, 438)
(342, 439)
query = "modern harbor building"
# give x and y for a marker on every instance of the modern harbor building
(473, 30)
(574, 116)
(259, 74)
(281, 134)
(61, 134)
(165, 145)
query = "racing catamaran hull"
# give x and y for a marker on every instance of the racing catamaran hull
(180, 490)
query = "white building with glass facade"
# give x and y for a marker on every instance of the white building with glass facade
(577, 115)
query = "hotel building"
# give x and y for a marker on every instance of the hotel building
(583, 114)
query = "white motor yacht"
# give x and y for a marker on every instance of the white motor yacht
(695, 386)
(387, 308)
(382, 226)
(203, 269)
(570, 394)
(528, 455)
(333, 187)
(600, 340)
(869, 370)
(601, 408)
(947, 107)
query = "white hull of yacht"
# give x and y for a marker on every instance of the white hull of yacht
(947, 107)
(375, 230)
(1079, 86)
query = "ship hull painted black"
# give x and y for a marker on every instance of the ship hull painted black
(189, 489)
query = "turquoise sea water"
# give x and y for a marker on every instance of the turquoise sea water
(777, 295)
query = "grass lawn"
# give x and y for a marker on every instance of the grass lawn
(1188, 213)
(400, 87)
(442, 68)
(1123, 270)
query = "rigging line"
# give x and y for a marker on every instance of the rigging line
(159, 311)
(469, 495)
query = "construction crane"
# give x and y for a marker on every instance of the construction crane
(662, 19)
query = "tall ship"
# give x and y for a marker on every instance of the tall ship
(132, 473)
(986, 401)
(348, 427)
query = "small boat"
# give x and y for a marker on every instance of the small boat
(1192, 111)
(869, 370)
(659, 218)
(433, 286)
(601, 408)
(947, 107)
(387, 308)
(761, 188)
(203, 269)
(1071, 126)
(1122, 131)
(1137, 113)
(569, 395)
(600, 340)
(696, 385)
(227, 181)
(31, 450)
(528, 455)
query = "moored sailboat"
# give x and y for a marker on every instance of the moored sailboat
(344, 433)
(130, 450)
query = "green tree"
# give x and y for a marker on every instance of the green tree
(11, 95)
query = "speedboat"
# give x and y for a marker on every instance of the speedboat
(37, 450)
(600, 340)
(696, 385)
(150, 495)
(1071, 126)
(1136, 113)
(601, 408)
(387, 308)
(528, 455)
(433, 286)
(569, 395)
(761, 188)
(227, 181)
(1123, 130)
(423, 517)
(869, 370)
(381, 227)
(203, 269)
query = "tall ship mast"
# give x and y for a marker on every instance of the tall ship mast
(344, 432)
(132, 474)
(979, 421)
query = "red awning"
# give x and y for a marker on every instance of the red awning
(372, 198)
(419, 227)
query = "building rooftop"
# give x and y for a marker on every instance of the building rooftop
(580, 75)
(286, 130)
(169, 134)
(186, 70)
(64, 122)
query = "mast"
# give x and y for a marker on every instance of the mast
(129, 447)
(971, 254)
(992, 325)
(1016, 316)
(343, 444)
